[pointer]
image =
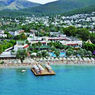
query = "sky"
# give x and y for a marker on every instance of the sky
(42, 1)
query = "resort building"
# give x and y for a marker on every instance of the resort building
(64, 40)
(20, 45)
(2, 34)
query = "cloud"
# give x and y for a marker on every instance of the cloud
(42, 1)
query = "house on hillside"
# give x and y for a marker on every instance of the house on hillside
(2, 34)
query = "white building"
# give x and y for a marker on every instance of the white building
(2, 34)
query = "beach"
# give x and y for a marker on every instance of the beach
(27, 64)
(15, 65)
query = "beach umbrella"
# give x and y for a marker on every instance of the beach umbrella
(5, 61)
(72, 59)
(9, 61)
(68, 59)
(28, 60)
(89, 59)
(33, 60)
(80, 59)
(41, 59)
(37, 59)
(60, 58)
(64, 59)
(76, 59)
(92, 59)
(15, 61)
(19, 61)
(49, 58)
(25, 61)
(34, 54)
(45, 59)
(84, 59)
(56, 58)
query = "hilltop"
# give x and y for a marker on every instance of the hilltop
(16, 4)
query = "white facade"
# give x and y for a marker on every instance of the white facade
(2, 34)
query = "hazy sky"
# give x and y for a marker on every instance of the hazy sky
(42, 1)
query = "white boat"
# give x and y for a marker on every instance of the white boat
(23, 70)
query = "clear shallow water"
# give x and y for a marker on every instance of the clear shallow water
(69, 80)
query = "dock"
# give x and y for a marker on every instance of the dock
(44, 72)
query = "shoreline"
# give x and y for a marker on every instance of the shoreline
(16, 66)
(29, 66)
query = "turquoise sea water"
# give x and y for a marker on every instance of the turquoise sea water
(69, 80)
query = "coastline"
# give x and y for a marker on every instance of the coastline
(29, 66)
(52, 62)
(16, 66)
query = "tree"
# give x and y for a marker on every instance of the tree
(21, 54)
(44, 54)
(8, 35)
(83, 34)
(70, 31)
(39, 44)
(90, 47)
(57, 53)
(23, 36)
(89, 53)
(68, 53)
(1, 48)
(39, 54)
(13, 42)
(80, 52)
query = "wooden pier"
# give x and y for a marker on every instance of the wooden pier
(45, 72)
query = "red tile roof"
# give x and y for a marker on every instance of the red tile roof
(26, 46)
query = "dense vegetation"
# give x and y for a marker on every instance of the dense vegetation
(21, 54)
(84, 10)
(6, 44)
(81, 33)
(60, 6)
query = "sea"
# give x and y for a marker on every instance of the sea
(69, 80)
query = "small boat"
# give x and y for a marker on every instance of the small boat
(23, 71)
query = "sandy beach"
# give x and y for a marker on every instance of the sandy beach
(30, 65)
(16, 65)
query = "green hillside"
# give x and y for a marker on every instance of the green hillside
(16, 4)
(88, 9)
(66, 7)
(60, 6)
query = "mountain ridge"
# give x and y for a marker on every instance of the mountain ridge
(16, 4)
(57, 7)
(60, 6)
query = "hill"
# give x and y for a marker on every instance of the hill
(66, 7)
(60, 6)
(85, 10)
(16, 4)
